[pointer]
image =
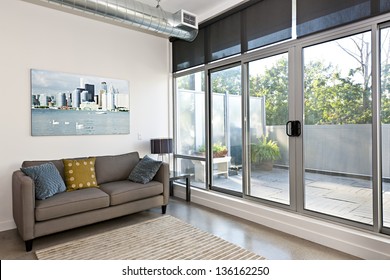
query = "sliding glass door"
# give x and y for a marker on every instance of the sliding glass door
(385, 123)
(233, 124)
(338, 128)
(268, 142)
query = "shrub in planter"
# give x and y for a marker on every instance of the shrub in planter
(265, 152)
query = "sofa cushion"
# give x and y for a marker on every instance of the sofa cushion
(80, 173)
(115, 167)
(68, 203)
(145, 170)
(126, 191)
(47, 179)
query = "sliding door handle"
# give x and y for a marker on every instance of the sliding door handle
(293, 128)
(288, 129)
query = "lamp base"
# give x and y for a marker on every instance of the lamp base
(162, 157)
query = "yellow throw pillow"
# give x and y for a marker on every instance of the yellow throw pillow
(79, 173)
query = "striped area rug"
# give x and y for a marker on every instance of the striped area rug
(163, 238)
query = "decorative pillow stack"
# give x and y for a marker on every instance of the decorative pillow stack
(80, 173)
(145, 170)
(47, 180)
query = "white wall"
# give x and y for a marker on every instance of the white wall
(32, 36)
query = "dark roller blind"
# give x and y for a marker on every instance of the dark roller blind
(314, 16)
(384, 6)
(188, 54)
(267, 22)
(224, 37)
(254, 24)
(258, 23)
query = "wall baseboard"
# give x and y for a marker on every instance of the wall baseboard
(356, 242)
(7, 225)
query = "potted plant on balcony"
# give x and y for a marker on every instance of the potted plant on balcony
(219, 150)
(264, 153)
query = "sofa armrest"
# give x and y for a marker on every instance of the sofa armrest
(162, 176)
(23, 204)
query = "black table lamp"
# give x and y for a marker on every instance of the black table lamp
(161, 146)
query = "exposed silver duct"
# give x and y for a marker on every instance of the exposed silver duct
(181, 24)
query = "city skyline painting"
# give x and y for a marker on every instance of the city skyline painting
(74, 104)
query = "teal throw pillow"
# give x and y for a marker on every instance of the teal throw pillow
(47, 180)
(145, 170)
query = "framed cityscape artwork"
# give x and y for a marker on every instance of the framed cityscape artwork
(72, 104)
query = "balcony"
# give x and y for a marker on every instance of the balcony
(342, 196)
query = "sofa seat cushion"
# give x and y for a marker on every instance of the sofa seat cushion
(69, 203)
(126, 191)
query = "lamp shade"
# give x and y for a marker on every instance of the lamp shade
(161, 146)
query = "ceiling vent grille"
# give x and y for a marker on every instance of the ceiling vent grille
(186, 19)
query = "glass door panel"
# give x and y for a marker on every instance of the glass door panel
(338, 128)
(190, 127)
(226, 130)
(385, 122)
(268, 142)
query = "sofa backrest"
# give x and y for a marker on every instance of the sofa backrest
(58, 163)
(115, 167)
(108, 168)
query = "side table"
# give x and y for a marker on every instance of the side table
(176, 176)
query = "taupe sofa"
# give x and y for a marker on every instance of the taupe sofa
(116, 196)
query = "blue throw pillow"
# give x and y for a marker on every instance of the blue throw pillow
(145, 170)
(47, 179)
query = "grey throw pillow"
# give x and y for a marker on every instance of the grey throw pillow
(145, 170)
(47, 179)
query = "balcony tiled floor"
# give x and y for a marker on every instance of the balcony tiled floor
(341, 196)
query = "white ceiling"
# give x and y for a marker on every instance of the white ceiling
(203, 9)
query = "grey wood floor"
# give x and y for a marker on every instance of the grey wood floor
(271, 244)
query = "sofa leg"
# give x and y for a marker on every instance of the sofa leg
(29, 244)
(164, 209)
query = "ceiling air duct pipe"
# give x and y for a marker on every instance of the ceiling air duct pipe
(182, 24)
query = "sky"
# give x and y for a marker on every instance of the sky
(52, 83)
